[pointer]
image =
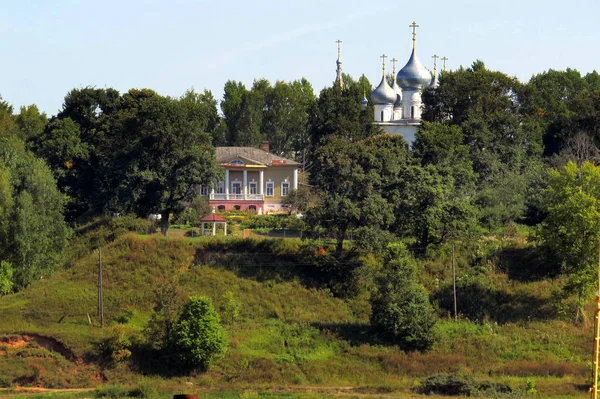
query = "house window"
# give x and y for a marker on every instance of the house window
(285, 187)
(236, 162)
(221, 208)
(237, 207)
(253, 188)
(220, 188)
(270, 188)
(203, 190)
(252, 208)
(236, 187)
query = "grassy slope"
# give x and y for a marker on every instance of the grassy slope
(287, 334)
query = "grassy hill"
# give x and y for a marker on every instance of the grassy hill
(291, 330)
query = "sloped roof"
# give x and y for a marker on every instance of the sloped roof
(213, 218)
(226, 154)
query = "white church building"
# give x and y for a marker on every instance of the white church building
(397, 108)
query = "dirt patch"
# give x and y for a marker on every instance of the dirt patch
(53, 345)
(49, 343)
(14, 342)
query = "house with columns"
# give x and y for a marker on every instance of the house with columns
(255, 180)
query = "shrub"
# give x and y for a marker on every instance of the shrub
(112, 392)
(144, 390)
(231, 308)
(197, 336)
(117, 347)
(6, 274)
(457, 385)
(401, 308)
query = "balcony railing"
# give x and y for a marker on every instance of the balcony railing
(237, 197)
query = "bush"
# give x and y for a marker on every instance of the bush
(197, 337)
(112, 392)
(144, 390)
(273, 222)
(401, 308)
(457, 385)
(191, 215)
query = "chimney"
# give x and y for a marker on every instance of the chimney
(265, 146)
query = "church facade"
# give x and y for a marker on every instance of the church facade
(398, 107)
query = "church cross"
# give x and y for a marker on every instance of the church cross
(435, 57)
(394, 60)
(338, 43)
(383, 57)
(444, 59)
(414, 27)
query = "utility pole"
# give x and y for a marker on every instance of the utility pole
(594, 388)
(454, 283)
(100, 296)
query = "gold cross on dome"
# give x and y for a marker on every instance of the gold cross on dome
(435, 57)
(338, 43)
(414, 27)
(383, 57)
(394, 60)
(444, 59)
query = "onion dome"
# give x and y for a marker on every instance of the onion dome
(414, 75)
(398, 91)
(383, 94)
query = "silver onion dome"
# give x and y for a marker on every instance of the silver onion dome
(414, 75)
(398, 91)
(383, 94)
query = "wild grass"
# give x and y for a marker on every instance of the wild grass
(291, 330)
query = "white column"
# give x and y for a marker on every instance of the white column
(212, 193)
(214, 229)
(245, 184)
(225, 227)
(295, 181)
(261, 182)
(227, 184)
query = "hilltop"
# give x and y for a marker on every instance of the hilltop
(291, 329)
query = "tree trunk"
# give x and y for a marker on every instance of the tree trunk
(339, 248)
(164, 222)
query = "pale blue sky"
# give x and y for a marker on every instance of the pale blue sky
(52, 46)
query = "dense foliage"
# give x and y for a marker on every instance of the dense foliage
(401, 307)
(196, 338)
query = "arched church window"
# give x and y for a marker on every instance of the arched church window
(381, 116)
(412, 112)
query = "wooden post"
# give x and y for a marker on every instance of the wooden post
(454, 283)
(100, 296)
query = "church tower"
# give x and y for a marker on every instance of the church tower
(398, 91)
(383, 98)
(413, 78)
(398, 108)
(339, 79)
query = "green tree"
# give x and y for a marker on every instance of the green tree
(30, 121)
(197, 336)
(571, 229)
(354, 180)
(164, 155)
(6, 278)
(401, 309)
(33, 232)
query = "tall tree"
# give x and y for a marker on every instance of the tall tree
(32, 231)
(571, 230)
(164, 156)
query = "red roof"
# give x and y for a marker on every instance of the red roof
(213, 217)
